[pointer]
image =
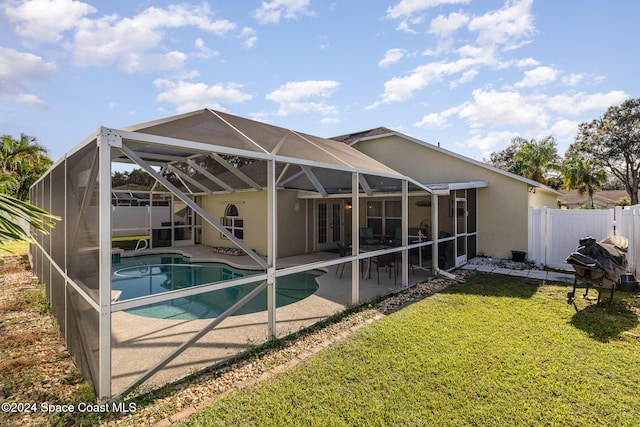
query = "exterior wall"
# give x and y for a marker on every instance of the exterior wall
(543, 198)
(290, 224)
(252, 208)
(502, 206)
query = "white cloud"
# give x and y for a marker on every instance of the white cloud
(400, 89)
(409, 12)
(574, 79)
(391, 56)
(19, 67)
(510, 26)
(250, 37)
(506, 28)
(129, 41)
(432, 120)
(602, 101)
(528, 62)
(405, 28)
(538, 77)
(293, 97)
(45, 20)
(330, 120)
(272, 12)
(492, 108)
(564, 127)
(203, 51)
(466, 77)
(488, 142)
(25, 98)
(134, 44)
(497, 116)
(17, 70)
(445, 26)
(188, 96)
(407, 8)
(182, 15)
(579, 103)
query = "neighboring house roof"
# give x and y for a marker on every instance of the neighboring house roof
(380, 132)
(605, 199)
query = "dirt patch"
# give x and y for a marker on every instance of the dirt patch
(34, 366)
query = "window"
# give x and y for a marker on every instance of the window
(232, 222)
(384, 216)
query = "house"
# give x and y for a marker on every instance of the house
(605, 199)
(496, 201)
(282, 198)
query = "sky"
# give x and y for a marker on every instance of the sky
(468, 74)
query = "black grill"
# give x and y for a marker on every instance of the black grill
(598, 264)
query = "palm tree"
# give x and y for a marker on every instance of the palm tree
(13, 211)
(536, 158)
(21, 163)
(584, 175)
(25, 161)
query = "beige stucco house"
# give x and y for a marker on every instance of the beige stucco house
(496, 200)
(481, 210)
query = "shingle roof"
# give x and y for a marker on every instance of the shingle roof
(364, 134)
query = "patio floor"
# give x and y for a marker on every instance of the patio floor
(138, 343)
(552, 276)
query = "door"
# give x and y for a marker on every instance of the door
(329, 224)
(461, 231)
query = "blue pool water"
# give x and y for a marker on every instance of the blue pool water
(151, 274)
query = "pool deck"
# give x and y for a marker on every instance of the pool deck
(139, 343)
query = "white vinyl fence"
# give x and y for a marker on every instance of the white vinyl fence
(135, 220)
(555, 233)
(628, 225)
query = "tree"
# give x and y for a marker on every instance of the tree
(614, 141)
(537, 158)
(504, 159)
(528, 158)
(583, 175)
(24, 160)
(13, 210)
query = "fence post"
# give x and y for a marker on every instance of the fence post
(543, 234)
(530, 243)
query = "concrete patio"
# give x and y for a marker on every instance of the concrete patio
(139, 343)
(551, 276)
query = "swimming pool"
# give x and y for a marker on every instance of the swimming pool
(144, 275)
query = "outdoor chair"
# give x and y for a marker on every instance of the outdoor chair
(387, 261)
(443, 247)
(413, 256)
(343, 251)
(366, 236)
(397, 237)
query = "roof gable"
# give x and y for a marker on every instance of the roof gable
(383, 132)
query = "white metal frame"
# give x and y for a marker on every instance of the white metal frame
(109, 140)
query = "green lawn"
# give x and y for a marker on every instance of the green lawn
(495, 351)
(14, 248)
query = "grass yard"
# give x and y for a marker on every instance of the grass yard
(495, 351)
(13, 248)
